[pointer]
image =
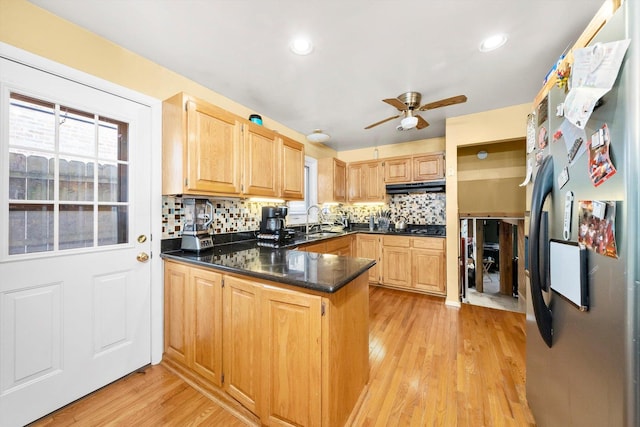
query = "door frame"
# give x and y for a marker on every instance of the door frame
(157, 281)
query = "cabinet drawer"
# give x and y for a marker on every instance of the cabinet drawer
(428, 243)
(397, 241)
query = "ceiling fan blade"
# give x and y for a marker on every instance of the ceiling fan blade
(395, 102)
(422, 123)
(444, 102)
(382, 121)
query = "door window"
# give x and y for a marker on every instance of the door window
(68, 178)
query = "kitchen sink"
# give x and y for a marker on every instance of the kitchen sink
(321, 234)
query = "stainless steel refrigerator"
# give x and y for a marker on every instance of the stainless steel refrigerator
(583, 348)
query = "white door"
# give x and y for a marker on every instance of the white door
(74, 229)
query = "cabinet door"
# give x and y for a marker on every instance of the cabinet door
(206, 311)
(213, 149)
(428, 167)
(340, 246)
(397, 170)
(292, 331)
(339, 181)
(373, 182)
(428, 270)
(292, 170)
(396, 266)
(368, 246)
(260, 161)
(242, 329)
(355, 180)
(176, 299)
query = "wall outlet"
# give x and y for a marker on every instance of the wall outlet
(450, 172)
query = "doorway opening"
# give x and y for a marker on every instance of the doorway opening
(491, 249)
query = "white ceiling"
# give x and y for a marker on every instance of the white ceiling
(365, 50)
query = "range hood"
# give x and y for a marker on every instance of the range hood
(417, 187)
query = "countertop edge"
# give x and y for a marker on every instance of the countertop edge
(275, 278)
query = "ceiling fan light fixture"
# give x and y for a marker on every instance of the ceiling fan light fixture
(409, 122)
(318, 136)
(301, 46)
(493, 42)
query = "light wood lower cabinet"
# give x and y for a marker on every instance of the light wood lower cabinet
(293, 358)
(242, 344)
(193, 320)
(412, 263)
(291, 332)
(368, 246)
(396, 261)
(342, 246)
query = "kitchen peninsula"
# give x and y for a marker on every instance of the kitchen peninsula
(283, 332)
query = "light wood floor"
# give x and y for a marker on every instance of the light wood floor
(431, 365)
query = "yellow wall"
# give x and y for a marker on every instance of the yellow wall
(33, 29)
(501, 125)
(490, 187)
(392, 150)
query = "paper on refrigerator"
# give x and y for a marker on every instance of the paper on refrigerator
(594, 72)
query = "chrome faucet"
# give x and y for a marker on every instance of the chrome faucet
(309, 210)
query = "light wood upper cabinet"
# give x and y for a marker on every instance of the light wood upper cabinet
(416, 168)
(201, 148)
(354, 182)
(428, 167)
(397, 170)
(332, 180)
(211, 152)
(292, 169)
(365, 181)
(261, 155)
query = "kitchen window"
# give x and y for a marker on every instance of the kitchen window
(68, 178)
(298, 209)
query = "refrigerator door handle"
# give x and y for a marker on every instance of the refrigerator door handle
(542, 187)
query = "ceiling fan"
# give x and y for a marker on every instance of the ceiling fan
(408, 103)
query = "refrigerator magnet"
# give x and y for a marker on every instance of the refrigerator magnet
(601, 167)
(597, 229)
(543, 138)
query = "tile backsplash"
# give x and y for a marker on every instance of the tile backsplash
(236, 215)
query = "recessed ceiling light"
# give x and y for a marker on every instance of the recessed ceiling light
(493, 42)
(301, 46)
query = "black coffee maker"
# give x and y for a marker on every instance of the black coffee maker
(273, 231)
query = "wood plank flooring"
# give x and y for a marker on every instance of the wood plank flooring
(431, 365)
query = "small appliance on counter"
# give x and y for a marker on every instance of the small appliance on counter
(198, 216)
(272, 227)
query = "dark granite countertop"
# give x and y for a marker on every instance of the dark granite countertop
(320, 272)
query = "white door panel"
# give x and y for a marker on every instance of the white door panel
(73, 320)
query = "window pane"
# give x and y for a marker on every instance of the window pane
(30, 228)
(112, 182)
(76, 226)
(30, 176)
(76, 180)
(77, 132)
(31, 123)
(112, 225)
(112, 139)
